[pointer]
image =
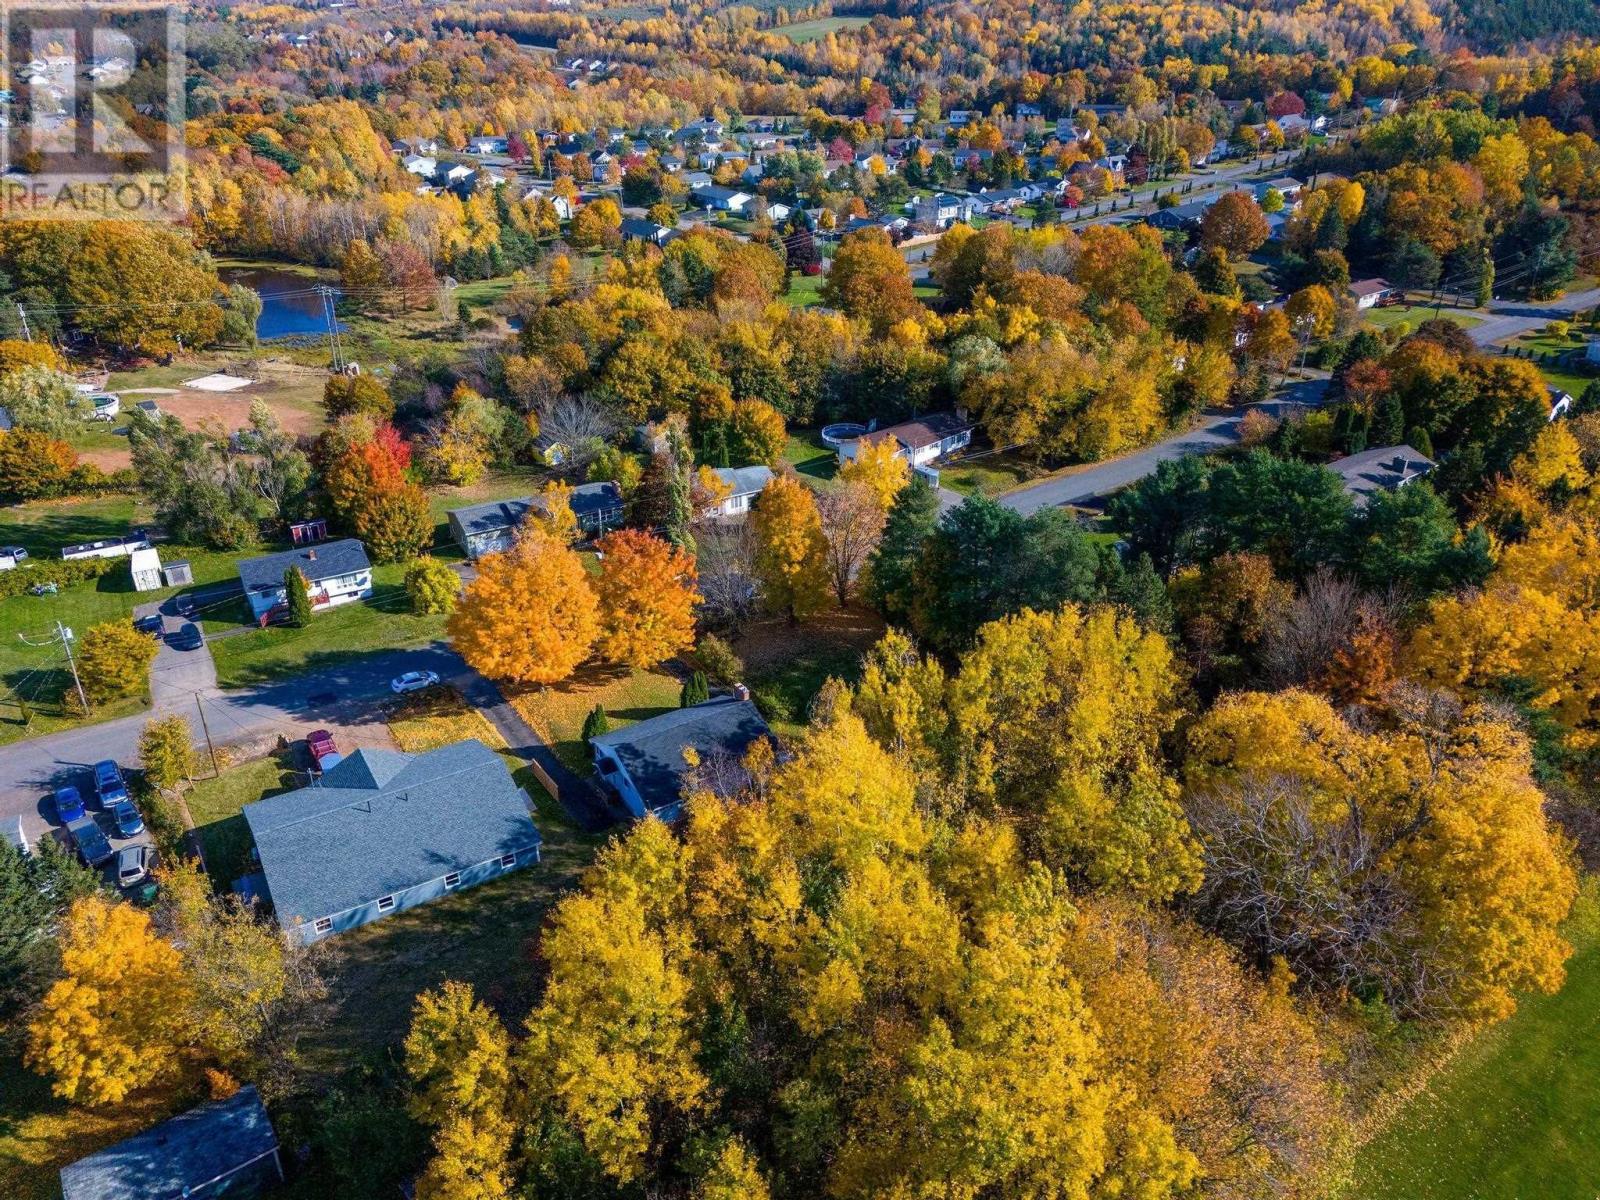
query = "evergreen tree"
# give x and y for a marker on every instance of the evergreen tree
(595, 723)
(695, 690)
(299, 594)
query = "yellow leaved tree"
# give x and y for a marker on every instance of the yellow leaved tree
(530, 616)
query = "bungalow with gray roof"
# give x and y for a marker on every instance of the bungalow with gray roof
(744, 485)
(339, 572)
(226, 1147)
(384, 831)
(1384, 468)
(491, 527)
(644, 764)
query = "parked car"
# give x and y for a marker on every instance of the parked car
(89, 842)
(152, 625)
(413, 681)
(189, 637)
(320, 744)
(134, 864)
(69, 805)
(11, 556)
(109, 785)
(186, 607)
(129, 822)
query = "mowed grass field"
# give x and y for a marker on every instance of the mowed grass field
(811, 31)
(1516, 1114)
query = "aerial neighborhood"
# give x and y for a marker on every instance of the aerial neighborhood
(731, 603)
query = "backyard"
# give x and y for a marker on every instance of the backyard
(786, 664)
(1517, 1112)
(557, 712)
(1568, 376)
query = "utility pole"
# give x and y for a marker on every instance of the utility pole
(335, 349)
(206, 729)
(64, 636)
(27, 333)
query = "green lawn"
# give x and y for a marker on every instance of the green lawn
(1516, 1113)
(804, 291)
(811, 31)
(215, 805)
(557, 712)
(1567, 378)
(385, 622)
(987, 476)
(38, 675)
(1414, 314)
(808, 456)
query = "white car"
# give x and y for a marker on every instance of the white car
(413, 681)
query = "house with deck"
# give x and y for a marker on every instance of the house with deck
(919, 441)
(337, 572)
(383, 831)
(491, 527)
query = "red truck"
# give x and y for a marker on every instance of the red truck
(323, 751)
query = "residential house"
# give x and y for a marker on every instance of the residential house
(421, 165)
(1369, 293)
(1560, 402)
(644, 764)
(338, 572)
(921, 441)
(721, 199)
(942, 209)
(224, 1148)
(744, 485)
(488, 145)
(1180, 217)
(777, 211)
(1286, 187)
(1382, 469)
(383, 831)
(491, 527)
(636, 229)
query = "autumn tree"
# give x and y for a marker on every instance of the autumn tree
(852, 522)
(879, 465)
(33, 465)
(869, 279)
(647, 599)
(758, 433)
(367, 479)
(1235, 224)
(1364, 857)
(530, 616)
(166, 751)
(114, 661)
(113, 1022)
(432, 586)
(791, 549)
(364, 394)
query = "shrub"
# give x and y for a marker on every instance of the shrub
(718, 660)
(432, 586)
(62, 573)
(595, 723)
(695, 690)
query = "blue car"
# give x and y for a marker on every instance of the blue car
(108, 783)
(69, 805)
(129, 822)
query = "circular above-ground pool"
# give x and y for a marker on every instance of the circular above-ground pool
(841, 434)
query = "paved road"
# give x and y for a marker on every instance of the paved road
(1509, 319)
(1097, 481)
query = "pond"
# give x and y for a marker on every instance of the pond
(290, 305)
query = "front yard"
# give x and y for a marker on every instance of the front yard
(247, 655)
(557, 712)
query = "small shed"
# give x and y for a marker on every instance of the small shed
(178, 574)
(304, 533)
(146, 566)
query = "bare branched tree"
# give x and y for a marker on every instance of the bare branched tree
(1318, 624)
(1284, 880)
(852, 521)
(725, 559)
(580, 423)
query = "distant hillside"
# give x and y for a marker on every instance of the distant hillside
(1498, 23)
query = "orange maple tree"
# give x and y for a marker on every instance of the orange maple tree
(530, 616)
(647, 598)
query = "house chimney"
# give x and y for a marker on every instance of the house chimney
(740, 692)
(311, 555)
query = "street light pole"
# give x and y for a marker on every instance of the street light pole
(65, 635)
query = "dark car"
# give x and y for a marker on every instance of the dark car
(151, 625)
(186, 607)
(189, 637)
(69, 805)
(129, 822)
(89, 842)
(108, 783)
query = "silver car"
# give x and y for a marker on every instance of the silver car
(134, 864)
(413, 681)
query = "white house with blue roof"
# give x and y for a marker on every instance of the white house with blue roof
(384, 831)
(338, 572)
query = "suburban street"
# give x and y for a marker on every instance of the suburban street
(1512, 318)
(1218, 429)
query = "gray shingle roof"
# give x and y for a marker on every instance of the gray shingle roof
(192, 1148)
(1383, 468)
(383, 821)
(324, 561)
(652, 750)
(745, 481)
(493, 515)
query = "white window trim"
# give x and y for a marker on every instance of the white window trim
(508, 860)
(448, 885)
(385, 904)
(323, 925)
